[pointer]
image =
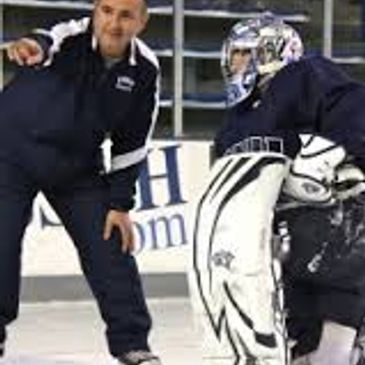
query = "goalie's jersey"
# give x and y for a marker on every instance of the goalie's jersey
(312, 95)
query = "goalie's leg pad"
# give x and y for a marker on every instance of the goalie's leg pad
(232, 260)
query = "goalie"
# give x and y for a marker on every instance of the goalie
(276, 97)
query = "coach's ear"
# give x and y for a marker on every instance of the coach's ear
(143, 19)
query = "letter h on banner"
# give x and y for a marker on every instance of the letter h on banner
(171, 175)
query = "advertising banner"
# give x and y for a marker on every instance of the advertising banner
(169, 181)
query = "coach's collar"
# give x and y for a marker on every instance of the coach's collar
(132, 50)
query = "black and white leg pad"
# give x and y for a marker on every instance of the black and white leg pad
(232, 280)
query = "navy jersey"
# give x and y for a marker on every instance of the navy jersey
(54, 118)
(312, 95)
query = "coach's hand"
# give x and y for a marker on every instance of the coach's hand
(121, 221)
(26, 52)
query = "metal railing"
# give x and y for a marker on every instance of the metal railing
(179, 52)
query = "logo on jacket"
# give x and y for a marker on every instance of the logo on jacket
(124, 83)
(223, 258)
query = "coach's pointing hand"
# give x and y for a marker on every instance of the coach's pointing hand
(121, 221)
(26, 52)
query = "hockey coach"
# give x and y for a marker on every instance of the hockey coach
(81, 82)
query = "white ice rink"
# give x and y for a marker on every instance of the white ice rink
(71, 333)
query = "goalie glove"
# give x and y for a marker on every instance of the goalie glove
(312, 174)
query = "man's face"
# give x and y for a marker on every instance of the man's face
(239, 61)
(115, 23)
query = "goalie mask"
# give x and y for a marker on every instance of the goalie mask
(255, 50)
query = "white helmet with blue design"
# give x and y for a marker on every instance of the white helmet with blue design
(255, 49)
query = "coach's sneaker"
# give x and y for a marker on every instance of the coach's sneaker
(139, 357)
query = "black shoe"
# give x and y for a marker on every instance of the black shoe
(2, 349)
(139, 357)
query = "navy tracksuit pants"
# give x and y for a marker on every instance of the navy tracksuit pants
(82, 206)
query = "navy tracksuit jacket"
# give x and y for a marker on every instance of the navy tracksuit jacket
(53, 120)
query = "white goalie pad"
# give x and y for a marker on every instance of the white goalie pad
(232, 279)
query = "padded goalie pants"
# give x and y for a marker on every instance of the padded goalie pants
(232, 278)
(112, 275)
(325, 271)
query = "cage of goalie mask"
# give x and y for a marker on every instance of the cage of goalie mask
(267, 43)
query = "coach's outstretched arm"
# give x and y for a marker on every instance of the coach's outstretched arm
(40, 45)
